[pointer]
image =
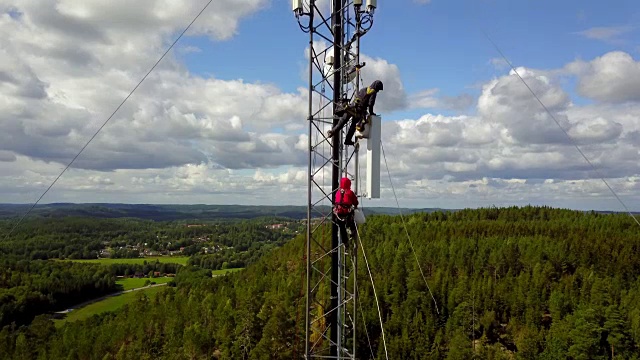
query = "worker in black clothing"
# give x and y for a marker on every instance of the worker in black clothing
(364, 100)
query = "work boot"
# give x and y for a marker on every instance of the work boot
(330, 133)
(349, 142)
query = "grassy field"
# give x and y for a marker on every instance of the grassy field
(134, 283)
(222, 272)
(116, 302)
(109, 304)
(182, 260)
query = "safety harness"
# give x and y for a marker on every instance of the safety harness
(357, 101)
(362, 123)
(341, 208)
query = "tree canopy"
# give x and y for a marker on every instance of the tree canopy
(525, 283)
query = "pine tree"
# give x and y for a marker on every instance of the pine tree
(585, 335)
(618, 336)
(459, 347)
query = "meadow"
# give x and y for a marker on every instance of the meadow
(134, 283)
(113, 303)
(109, 304)
(224, 271)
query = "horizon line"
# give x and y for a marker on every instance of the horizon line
(304, 206)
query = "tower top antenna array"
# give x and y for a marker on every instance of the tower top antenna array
(334, 76)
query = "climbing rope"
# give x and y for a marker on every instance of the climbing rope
(375, 294)
(407, 231)
(364, 321)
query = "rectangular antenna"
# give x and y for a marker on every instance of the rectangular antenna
(296, 6)
(373, 158)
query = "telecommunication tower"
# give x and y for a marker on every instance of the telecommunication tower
(334, 77)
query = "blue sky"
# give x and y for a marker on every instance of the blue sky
(440, 44)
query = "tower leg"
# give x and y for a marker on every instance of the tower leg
(336, 24)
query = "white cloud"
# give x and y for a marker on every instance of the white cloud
(596, 130)
(499, 63)
(191, 183)
(460, 102)
(393, 97)
(613, 77)
(7, 156)
(184, 138)
(507, 102)
(511, 151)
(610, 33)
(50, 109)
(424, 99)
(427, 99)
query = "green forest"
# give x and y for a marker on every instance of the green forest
(237, 243)
(29, 288)
(510, 283)
(172, 212)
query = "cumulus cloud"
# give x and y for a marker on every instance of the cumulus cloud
(175, 135)
(184, 138)
(613, 77)
(511, 150)
(507, 102)
(26, 179)
(395, 97)
(95, 53)
(440, 157)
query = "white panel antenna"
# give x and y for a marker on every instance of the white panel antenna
(373, 157)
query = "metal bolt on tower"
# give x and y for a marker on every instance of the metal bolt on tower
(334, 63)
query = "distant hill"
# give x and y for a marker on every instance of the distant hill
(176, 212)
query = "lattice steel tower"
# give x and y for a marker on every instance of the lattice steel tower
(334, 64)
